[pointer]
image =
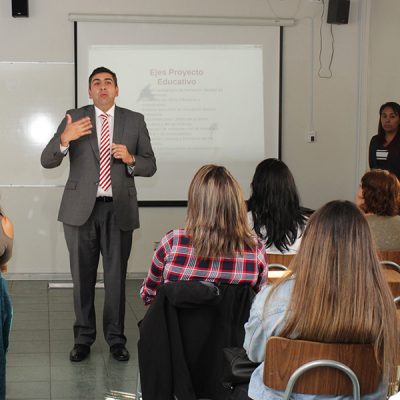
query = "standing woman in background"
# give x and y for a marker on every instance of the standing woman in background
(275, 213)
(384, 148)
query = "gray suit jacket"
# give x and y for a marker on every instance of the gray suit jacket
(81, 188)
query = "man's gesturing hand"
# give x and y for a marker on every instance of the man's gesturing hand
(120, 152)
(74, 130)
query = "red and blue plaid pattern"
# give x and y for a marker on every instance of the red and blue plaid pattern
(174, 260)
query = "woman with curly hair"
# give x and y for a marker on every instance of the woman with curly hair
(379, 196)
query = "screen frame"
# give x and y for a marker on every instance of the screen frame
(206, 20)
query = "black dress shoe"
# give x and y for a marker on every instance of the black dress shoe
(119, 352)
(79, 352)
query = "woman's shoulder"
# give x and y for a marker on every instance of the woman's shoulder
(293, 248)
(7, 226)
(383, 219)
(280, 293)
(176, 237)
(250, 219)
(374, 139)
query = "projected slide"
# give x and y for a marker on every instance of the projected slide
(200, 102)
(209, 94)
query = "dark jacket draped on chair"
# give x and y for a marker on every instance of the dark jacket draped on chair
(182, 336)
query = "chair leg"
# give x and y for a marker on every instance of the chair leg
(138, 386)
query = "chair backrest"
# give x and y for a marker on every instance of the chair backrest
(318, 364)
(391, 273)
(389, 255)
(276, 266)
(390, 265)
(283, 259)
(283, 356)
(182, 336)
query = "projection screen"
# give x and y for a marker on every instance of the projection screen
(210, 94)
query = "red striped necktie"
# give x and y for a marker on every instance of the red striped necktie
(105, 154)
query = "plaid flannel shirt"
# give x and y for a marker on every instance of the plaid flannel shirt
(175, 260)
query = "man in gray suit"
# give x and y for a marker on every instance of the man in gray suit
(107, 146)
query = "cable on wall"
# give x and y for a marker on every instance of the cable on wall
(320, 74)
(311, 78)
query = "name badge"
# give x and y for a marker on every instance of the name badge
(382, 155)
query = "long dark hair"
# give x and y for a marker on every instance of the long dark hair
(396, 109)
(275, 205)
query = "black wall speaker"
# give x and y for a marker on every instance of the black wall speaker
(20, 8)
(338, 12)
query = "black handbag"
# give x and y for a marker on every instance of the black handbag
(237, 367)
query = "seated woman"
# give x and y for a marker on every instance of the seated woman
(6, 243)
(6, 240)
(216, 245)
(327, 297)
(379, 196)
(274, 208)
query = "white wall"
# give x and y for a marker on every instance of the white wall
(325, 170)
(384, 59)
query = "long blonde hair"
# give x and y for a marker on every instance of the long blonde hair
(340, 294)
(217, 217)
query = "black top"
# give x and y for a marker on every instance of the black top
(385, 157)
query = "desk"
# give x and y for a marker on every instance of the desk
(273, 276)
(392, 277)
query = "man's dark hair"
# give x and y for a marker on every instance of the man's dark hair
(100, 70)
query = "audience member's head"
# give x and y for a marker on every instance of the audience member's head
(338, 280)
(216, 215)
(274, 204)
(379, 193)
(389, 119)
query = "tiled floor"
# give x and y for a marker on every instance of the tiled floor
(38, 365)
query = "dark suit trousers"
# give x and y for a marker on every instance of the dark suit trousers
(99, 235)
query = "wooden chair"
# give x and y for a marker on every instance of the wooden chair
(182, 336)
(284, 356)
(282, 259)
(389, 255)
(390, 265)
(390, 261)
(276, 266)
